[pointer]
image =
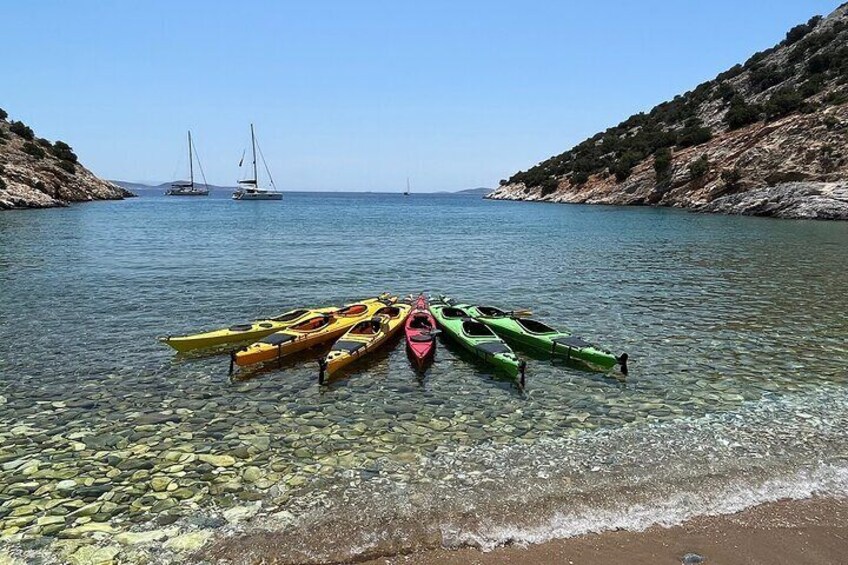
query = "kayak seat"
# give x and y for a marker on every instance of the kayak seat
(476, 329)
(241, 327)
(278, 338)
(422, 337)
(421, 322)
(494, 347)
(350, 347)
(572, 342)
(355, 310)
(451, 312)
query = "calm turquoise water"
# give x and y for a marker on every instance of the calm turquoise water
(736, 328)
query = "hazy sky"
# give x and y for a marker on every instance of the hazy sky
(358, 95)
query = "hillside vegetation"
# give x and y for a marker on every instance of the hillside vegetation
(699, 146)
(36, 173)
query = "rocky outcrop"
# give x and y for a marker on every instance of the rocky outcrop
(769, 137)
(35, 173)
(796, 200)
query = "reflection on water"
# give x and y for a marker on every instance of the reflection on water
(731, 324)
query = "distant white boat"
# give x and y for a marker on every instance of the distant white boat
(249, 189)
(187, 187)
(407, 187)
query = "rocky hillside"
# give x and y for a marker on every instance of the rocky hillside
(35, 173)
(767, 137)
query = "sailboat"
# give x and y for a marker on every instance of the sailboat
(249, 189)
(407, 187)
(187, 187)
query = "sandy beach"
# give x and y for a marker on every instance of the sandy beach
(811, 531)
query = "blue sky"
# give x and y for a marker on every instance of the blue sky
(358, 95)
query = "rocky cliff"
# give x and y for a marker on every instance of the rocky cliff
(36, 173)
(767, 137)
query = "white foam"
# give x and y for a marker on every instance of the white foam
(826, 480)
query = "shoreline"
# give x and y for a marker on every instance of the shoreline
(785, 532)
(805, 531)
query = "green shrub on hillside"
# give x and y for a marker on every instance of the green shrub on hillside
(3, 114)
(693, 135)
(64, 152)
(819, 63)
(22, 130)
(812, 85)
(740, 113)
(579, 178)
(662, 163)
(44, 142)
(724, 92)
(699, 167)
(783, 102)
(798, 32)
(34, 150)
(762, 78)
(68, 166)
(549, 185)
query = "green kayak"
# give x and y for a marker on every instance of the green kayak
(539, 336)
(477, 338)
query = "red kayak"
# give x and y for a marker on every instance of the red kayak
(421, 332)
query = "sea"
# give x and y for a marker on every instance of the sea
(113, 445)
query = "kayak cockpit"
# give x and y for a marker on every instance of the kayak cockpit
(473, 328)
(535, 326)
(312, 324)
(420, 322)
(390, 311)
(491, 312)
(289, 316)
(452, 312)
(366, 327)
(352, 310)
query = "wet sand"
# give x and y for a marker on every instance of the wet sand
(812, 531)
(791, 532)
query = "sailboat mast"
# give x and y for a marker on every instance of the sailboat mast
(253, 144)
(190, 161)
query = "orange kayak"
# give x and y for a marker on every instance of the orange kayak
(312, 331)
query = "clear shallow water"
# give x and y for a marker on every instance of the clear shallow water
(736, 329)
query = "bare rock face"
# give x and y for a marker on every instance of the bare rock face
(769, 137)
(35, 174)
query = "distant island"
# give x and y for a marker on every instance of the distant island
(481, 190)
(38, 173)
(767, 137)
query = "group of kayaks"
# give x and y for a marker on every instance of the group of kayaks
(362, 327)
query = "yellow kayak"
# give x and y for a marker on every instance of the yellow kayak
(311, 331)
(364, 337)
(241, 333)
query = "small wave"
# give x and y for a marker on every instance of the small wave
(827, 480)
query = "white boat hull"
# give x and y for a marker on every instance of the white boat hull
(257, 196)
